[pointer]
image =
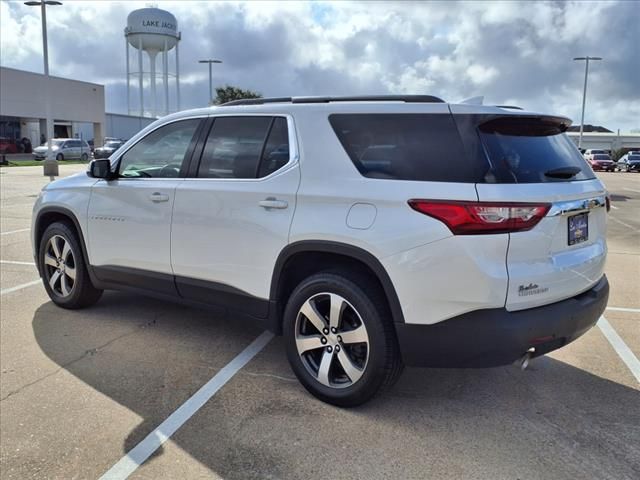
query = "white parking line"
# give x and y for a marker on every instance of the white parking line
(614, 207)
(20, 287)
(15, 231)
(623, 223)
(623, 309)
(136, 457)
(12, 262)
(633, 190)
(621, 348)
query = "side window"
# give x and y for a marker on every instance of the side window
(276, 151)
(419, 147)
(234, 147)
(161, 153)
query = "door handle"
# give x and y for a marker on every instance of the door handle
(158, 197)
(272, 202)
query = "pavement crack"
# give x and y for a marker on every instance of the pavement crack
(87, 353)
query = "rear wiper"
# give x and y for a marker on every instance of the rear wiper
(563, 172)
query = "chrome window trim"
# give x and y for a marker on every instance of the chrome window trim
(293, 147)
(577, 206)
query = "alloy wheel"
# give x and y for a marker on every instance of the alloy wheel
(332, 340)
(60, 266)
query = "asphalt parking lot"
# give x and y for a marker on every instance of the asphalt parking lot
(80, 389)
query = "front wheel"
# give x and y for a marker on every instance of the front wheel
(59, 157)
(63, 269)
(340, 339)
(84, 157)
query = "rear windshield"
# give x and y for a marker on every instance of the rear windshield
(422, 147)
(531, 151)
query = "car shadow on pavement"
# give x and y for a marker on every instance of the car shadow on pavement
(551, 421)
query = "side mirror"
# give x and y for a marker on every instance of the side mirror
(100, 168)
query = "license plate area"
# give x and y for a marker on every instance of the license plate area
(578, 228)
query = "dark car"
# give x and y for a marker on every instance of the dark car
(107, 149)
(7, 145)
(602, 161)
(630, 162)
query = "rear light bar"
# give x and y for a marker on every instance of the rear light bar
(476, 218)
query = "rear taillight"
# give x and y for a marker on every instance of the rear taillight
(475, 218)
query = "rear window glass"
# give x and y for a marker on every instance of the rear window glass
(422, 147)
(534, 152)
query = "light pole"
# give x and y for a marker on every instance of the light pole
(210, 62)
(50, 166)
(584, 93)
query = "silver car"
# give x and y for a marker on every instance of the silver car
(64, 149)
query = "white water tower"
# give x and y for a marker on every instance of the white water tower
(153, 31)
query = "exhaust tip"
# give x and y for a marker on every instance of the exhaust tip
(523, 362)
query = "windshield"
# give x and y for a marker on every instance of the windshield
(57, 143)
(112, 144)
(634, 158)
(601, 157)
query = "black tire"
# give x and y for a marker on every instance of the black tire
(59, 157)
(84, 157)
(82, 293)
(363, 295)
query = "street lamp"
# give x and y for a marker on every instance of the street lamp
(210, 62)
(50, 166)
(584, 93)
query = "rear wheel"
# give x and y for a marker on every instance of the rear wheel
(64, 272)
(340, 339)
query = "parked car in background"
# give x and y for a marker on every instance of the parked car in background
(602, 161)
(589, 153)
(7, 145)
(107, 149)
(629, 162)
(64, 149)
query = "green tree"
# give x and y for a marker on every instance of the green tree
(228, 93)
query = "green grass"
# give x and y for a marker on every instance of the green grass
(38, 163)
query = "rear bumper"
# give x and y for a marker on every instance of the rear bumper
(493, 337)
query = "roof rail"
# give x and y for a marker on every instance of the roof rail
(512, 107)
(362, 98)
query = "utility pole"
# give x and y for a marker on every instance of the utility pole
(584, 93)
(50, 165)
(210, 62)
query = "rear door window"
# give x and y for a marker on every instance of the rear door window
(421, 147)
(234, 147)
(525, 150)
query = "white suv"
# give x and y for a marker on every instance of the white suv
(372, 232)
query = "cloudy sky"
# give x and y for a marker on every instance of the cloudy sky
(511, 52)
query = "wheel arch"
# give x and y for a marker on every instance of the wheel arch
(47, 216)
(311, 256)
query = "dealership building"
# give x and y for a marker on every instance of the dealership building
(77, 109)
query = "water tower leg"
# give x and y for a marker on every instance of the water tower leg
(126, 46)
(177, 78)
(140, 79)
(165, 77)
(154, 98)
